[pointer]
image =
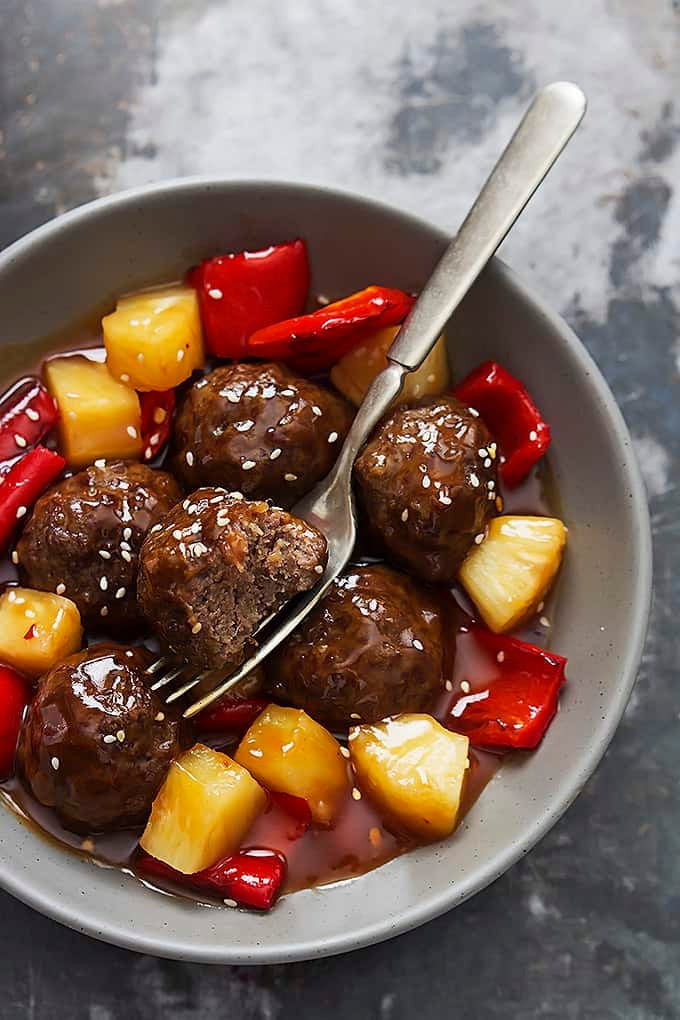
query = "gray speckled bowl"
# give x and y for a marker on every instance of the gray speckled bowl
(52, 278)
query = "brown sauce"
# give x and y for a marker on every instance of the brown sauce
(360, 839)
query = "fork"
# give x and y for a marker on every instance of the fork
(548, 124)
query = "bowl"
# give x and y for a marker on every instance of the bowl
(66, 272)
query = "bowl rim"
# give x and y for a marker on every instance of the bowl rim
(163, 945)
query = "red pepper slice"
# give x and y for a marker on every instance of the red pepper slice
(241, 292)
(511, 415)
(15, 694)
(21, 486)
(297, 809)
(157, 407)
(251, 879)
(231, 712)
(515, 707)
(313, 343)
(27, 413)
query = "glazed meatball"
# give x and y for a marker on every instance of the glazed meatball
(427, 482)
(96, 742)
(216, 566)
(372, 648)
(260, 429)
(85, 534)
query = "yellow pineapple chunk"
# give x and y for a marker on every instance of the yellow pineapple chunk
(154, 339)
(291, 753)
(413, 770)
(203, 810)
(511, 571)
(99, 416)
(354, 373)
(37, 629)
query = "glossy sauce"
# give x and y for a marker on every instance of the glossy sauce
(360, 839)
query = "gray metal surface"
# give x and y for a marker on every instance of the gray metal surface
(409, 103)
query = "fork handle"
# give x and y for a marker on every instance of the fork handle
(554, 114)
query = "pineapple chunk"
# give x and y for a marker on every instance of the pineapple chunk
(99, 416)
(37, 629)
(511, 571)
(153, 339)
(203, 810)
(413, 770)
(354, 373)
(291, 753)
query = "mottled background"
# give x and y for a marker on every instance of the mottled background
(410, 102)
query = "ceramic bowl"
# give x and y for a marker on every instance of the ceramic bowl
(75, 266)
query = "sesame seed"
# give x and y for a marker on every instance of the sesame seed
(344, 751)
(127, 534)
(103, 583)
(215, 293)
(317, 410)
(287, 393)
(177, 534)
(104, 553)
(290, 477)
(500, 657)
(21, 512)
(483, 453)
(61, 588)
(426, 481)
(288, 747)
(154, 440)
(354, 715)
(197, 628)
(540, 607)
(474, 481)
(418, 644)
(256, 752)
(120, 594)
(248, 465)
(465, 687)
(156, 527)
(120, 736)
(131, 431)
(356, 793)
(159, 717)
(544, 621)
(230, 903)
(332, 437)
(444, 499)
(491, 484)
(104, 611)
(32, 415)
(140, 357)
(55, 763)
(109, 738)
(318, 569)
(479, 538)
(124, 377)
(30, 614)
(533, 436)
(129, 654)
(15, 557)
(275, 454)
(20, 441)
(474, 412)
(189, 458)
(159, 415)
(180, 354)
(487, 462)
(448, 685)
(101, 463)
(404, 515)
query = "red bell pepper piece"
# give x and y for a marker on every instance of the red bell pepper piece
(514, 709)
(313, 343)
(297, 809)
(15, 694)
(157, 408)
(241, 292)
(27, 413)
(21, 486)
(511, 415)
(250, 879)
(231, 712)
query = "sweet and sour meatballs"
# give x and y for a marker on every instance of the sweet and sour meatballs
(371, 648)
(260, 429)
(216, 566)
(97, 743)
(428, 485)
(84, 537)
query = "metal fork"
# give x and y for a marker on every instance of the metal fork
(543, 132)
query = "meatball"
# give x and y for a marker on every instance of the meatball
(216, 566)
(427, 483)
(85, 534)
(260, 429)
(371, 648)
(96, 742)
